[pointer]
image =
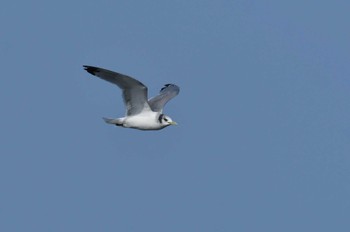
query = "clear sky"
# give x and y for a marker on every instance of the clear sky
(263, 137)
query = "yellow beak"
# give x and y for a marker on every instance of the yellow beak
(173, 123)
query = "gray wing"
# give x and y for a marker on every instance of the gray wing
(168, 92)
(134, 92)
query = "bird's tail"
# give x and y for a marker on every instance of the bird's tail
(116, 121)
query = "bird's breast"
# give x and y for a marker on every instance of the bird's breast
(146, 121)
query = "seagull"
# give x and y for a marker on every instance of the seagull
(141, 113)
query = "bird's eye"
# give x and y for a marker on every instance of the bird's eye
(165, 119)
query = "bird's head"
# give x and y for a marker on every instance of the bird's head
(166, 120)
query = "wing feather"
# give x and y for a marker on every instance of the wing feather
(166, 93)
(134, 92)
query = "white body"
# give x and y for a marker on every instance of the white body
(142, 121)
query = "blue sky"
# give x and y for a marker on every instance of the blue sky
(263, 137)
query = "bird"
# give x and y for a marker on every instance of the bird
(141, 113)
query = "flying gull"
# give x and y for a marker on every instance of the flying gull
(141, 113)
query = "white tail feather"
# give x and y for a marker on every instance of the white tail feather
(117, 121)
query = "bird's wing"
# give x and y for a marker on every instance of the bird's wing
(168, 92)
(134, 92)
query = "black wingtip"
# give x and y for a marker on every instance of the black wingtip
(165, 86)
(90, 69)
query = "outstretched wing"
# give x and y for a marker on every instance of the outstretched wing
(134, 92)
(168, 92)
